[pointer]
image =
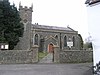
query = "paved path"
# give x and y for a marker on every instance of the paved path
(47, 59)
(46, 69)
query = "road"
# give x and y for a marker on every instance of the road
(46, 69)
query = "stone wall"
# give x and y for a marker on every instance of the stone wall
(76, 56)
(18, 56)
(56, 53)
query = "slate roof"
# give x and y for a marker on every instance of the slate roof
(52, 27)
(91, 1)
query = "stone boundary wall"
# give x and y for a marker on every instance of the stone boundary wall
(76, 56)
(56, 54)
(18, 56)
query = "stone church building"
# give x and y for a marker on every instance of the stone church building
(62, 44)
(45, 37)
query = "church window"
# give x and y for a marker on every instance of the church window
(65, 41)
(73, 41)
(36, 39)
(56, 37)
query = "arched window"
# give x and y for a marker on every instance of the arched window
(73, 41)
(65, 41)
(56, 37)
(36, 39)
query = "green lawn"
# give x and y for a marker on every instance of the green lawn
(42, 54)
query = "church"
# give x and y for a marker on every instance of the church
(45, 44)
(44, 36)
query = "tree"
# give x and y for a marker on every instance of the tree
(88, 45)
(81, 41)
(10, 26)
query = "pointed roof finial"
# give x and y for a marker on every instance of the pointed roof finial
(13, 3)
(32, 6)
(19, 3)
(67, 26)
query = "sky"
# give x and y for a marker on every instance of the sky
(62, 13)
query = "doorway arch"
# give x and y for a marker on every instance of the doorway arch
(50, 48)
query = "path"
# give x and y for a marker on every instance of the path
(47, 59)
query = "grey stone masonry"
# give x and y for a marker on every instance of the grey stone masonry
(26, 19)
(35, 53)
(19, 56)
(56, 54)
(76, 56)
(49, 33)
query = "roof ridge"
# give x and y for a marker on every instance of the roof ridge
(70, 28)
(53, 27)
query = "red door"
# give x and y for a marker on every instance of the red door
(50, 48)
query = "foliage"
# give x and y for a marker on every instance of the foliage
(88, 45)
(81, 41)
(96, 69)
(10, 26)
(42, 54)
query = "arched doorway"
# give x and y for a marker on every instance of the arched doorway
(50, 48)
(49, 58)
(51, 52)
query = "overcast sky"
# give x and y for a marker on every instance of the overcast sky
(59, 13)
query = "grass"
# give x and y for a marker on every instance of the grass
(42, 54)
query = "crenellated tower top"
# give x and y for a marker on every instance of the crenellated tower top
(25, 13)
(25, 7)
